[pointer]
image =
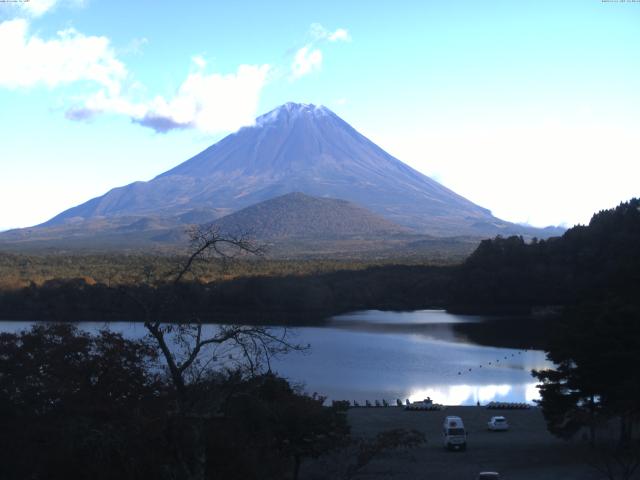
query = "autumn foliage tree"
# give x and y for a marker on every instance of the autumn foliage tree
(75, 405)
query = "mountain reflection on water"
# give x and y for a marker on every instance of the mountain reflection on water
(426, 324)
(374, 355)
(493, 331)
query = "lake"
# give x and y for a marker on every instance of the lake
(374, 355)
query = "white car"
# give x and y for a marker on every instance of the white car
(488, 476)
(498, 423)
(454, 434)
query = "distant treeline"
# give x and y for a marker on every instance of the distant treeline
(288, 299)
(22, 270)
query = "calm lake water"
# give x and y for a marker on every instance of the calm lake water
(374, 355)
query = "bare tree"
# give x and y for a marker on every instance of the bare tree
(191, 348)
(616, 452)
(188, 346)
(615, 462)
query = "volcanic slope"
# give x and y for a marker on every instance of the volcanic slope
(297, 148)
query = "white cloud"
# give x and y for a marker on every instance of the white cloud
(340, 34)
(29, 60)
(309, 58)
(306, 60)
(199, 61)
(38, 7)
(210, 103)
(102, 102)
(318, 32)
(134, 47)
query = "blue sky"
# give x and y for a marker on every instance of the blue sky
(528, 108)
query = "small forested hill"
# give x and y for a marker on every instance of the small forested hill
(599, 262)
(300, 215)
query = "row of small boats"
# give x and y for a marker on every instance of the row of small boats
(507, 405)
(425, 405)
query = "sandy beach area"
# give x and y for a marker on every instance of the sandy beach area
(527, 451)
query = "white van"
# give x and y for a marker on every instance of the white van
(455, 436)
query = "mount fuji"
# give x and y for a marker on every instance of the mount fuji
(294, 148)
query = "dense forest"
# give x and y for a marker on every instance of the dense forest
(503, 275)
(248, 289)
(281, 299)
(112, 269)
(600, 262)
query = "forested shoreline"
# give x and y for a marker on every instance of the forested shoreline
(503, 276)
(289, 299)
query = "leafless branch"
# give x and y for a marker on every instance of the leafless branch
(255, 345)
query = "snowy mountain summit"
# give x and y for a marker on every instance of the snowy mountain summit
(290, 111)
(303, 148)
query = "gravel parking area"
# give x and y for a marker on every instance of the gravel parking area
(527, 451)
